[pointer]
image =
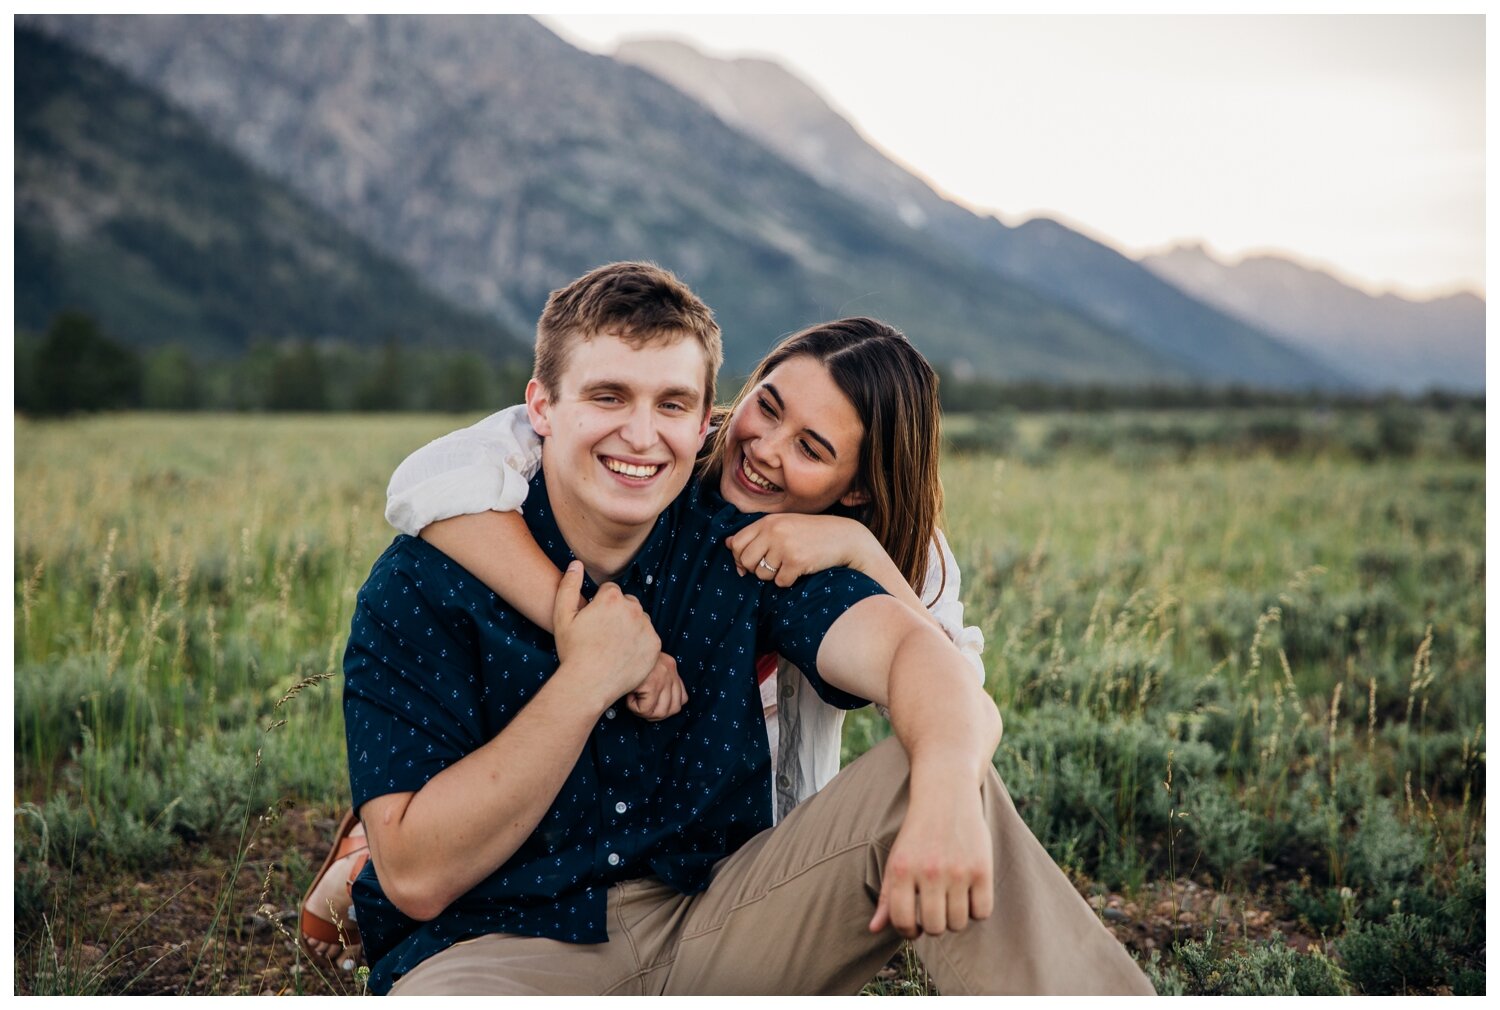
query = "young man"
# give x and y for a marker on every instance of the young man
(528, 835)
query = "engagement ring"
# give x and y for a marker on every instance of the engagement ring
(768, 568)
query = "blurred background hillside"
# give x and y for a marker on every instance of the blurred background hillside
(239, 209)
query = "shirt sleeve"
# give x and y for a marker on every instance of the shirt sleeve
(483, 467)
(942, 582)
(795, 620)
(411, 681)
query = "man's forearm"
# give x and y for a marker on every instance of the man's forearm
(881, 651)
(939, 874)
(944, 720)
(433, 845)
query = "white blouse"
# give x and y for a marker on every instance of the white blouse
(489, 465)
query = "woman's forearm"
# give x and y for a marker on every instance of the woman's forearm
(498, 549)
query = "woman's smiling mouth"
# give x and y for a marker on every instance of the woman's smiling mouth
(756, 481)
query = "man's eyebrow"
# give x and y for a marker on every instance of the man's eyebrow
(602, 386)
(781, 404)
(688, 393)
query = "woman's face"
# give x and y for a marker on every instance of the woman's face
(793, 443)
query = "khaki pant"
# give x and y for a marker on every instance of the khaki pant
(788, 914)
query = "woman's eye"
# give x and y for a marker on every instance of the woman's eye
(808, 450)
(765, 407)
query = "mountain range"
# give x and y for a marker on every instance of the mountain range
(1381, 341)
(499, 162)
(490, 161)
(127, 209)
(769, 103)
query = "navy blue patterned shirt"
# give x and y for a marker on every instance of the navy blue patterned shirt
(437, 665)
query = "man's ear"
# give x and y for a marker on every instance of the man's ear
(538, 407)
(854, 497)
(703, 428)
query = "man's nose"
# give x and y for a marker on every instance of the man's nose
(639, 431)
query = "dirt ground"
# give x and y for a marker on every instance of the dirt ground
(182, 931)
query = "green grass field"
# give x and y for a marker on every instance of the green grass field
(1242, 681)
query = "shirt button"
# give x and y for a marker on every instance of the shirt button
(783, 781)
(614, 859)
(788, 691)
(621, 807)
(609, 713)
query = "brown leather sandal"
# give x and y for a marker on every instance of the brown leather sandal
(313, 926)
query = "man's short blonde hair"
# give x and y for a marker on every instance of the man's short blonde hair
(638, 302)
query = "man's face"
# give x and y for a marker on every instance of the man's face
(622, 432)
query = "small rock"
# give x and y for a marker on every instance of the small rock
(1115, 915)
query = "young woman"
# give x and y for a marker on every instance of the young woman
(835, 436)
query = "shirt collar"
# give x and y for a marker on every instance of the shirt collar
(724, 518)
(649, 560)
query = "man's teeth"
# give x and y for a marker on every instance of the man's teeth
(631, 469)
(754, 477)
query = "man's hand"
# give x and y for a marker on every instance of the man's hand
(609, 640)
(661, 694)
(940, 873)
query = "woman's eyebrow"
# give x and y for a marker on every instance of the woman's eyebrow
(781, 405)
(823, 441)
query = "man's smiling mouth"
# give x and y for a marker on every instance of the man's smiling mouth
(639, 471)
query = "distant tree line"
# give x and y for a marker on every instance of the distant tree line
(982, 396)
(1390, 430)
(75, 367)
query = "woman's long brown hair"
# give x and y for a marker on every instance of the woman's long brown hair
(895, 393)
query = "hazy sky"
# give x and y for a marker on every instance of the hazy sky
(1353, 142)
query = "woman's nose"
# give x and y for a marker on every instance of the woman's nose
(765, 449)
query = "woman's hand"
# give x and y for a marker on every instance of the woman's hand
(786, 546)
(661, 695)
